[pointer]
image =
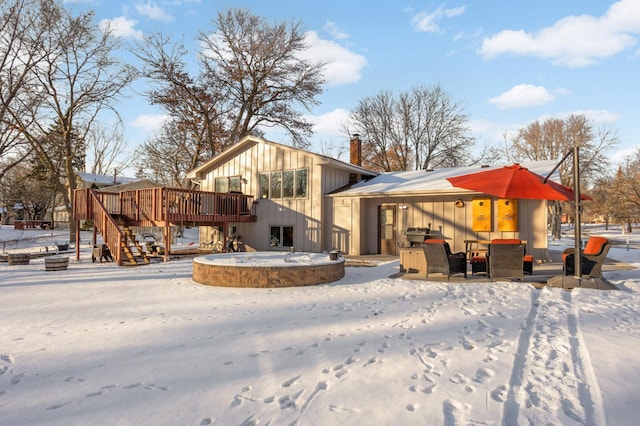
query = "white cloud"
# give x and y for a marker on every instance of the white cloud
(149, 123)
(153, 11)
(574, 41)
(329, 125)
(335, 32)
(521, 96)
(429, 21)
(493, 133)
(598, 116)
(122, 27)
(621, 156)
(342, 65)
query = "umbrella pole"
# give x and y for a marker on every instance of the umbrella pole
(577, 259)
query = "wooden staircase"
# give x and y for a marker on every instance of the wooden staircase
(113, 214)
(131, 243)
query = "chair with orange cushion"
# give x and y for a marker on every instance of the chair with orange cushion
(506, 259)
(440, 259)
(593, 256)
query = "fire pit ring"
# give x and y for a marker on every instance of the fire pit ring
(267, 269)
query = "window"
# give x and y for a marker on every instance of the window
(301, 183)
(283, 184)
(222, 184)
(263, 183)
(276, 185)
(228, 184)
(281, 236)
(287, 184)
(235, 184)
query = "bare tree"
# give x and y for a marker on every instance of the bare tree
(250, 78)
(553, 138)
(258, 66)
(27, 188)
(106, 148)
(603, 204)
(195, 104)
(166, 157)
(21, 34)
(420, 129)
(74, 79)
(625, 191)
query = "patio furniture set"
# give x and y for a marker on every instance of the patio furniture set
(506, 258)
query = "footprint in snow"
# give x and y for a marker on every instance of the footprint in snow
(499, 394)
(454, 412)
(412, 407)
(55, 406)
(458, 379)
(17, 378)
(291, 381)
(484, 375)
(371, 361)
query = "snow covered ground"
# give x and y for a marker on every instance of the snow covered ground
(107, 345)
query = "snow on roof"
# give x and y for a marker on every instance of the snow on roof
(104, 179)
(421, 181)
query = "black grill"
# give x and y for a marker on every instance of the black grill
(416, 236)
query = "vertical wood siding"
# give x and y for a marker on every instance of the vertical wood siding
(304, 214)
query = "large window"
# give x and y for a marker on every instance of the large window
(301, 183)
(275, 189)
(228, 184)
(283, 184)
(281, 236)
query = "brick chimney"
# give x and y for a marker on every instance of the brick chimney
(355, 150)
(355, 156)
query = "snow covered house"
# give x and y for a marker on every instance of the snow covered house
(314, 203)
(290, 189)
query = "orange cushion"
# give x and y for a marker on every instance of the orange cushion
(528, 258)
(478, 259)
(434, 241)
(506, 241)
(594, 245)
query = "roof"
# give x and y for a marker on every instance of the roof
(422, 182)
(248, 141)
(98, 179)
(130, 186)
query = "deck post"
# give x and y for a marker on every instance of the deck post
(78, 240)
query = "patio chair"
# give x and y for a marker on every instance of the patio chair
(440, 259)
(506, 259)
(593, 256)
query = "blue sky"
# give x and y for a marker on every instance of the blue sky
(507, 62)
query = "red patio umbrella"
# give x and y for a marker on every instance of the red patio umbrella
(514, 182)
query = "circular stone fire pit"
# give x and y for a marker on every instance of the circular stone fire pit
(266, 269)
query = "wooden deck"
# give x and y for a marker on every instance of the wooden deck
(162, 207)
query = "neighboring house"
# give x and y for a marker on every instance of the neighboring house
(98, 181)
(111, 183)
(315, 203)
(131, 186)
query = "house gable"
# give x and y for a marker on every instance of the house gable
(263, 169)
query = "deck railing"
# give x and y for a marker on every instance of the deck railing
(89, 205)
(173, 205)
